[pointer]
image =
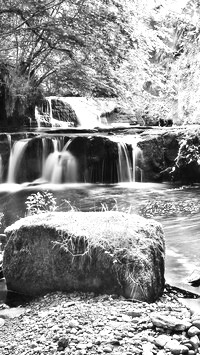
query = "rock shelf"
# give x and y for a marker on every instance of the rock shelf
(85, 323)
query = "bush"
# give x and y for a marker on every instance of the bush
(40, 202)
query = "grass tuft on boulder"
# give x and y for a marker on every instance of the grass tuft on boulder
(103, 252)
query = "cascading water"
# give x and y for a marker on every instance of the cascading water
(128, 159)
(60, 165)
(61, 159)
(136, 156)
(124, 166)
(88, 112)
(15, 159)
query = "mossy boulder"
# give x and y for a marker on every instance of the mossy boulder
(62, 111)
(104, 252)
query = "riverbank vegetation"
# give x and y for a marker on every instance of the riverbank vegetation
(143, 51)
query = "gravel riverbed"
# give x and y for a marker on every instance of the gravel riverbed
(80, 324)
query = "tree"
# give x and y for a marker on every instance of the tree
(82, 47)
(185, 73)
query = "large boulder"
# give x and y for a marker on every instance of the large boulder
(159, 151)
(105, 252)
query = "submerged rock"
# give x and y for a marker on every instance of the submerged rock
(105, 252)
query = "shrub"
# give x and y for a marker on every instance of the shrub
(40, 202)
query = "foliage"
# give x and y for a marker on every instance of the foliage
(103, 48)
(185, 71)
(67, 41)
(40, 202)
(145, 53)
(189, 151)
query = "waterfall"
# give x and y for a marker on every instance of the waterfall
(37, 117)
(127, 168)
(56, 160)
(124, 163)
(60, 165)
(136, 155)
(16, 156)
(50, 111)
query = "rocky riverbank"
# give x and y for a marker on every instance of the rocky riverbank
(82, 324)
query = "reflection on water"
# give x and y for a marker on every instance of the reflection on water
(181, 224)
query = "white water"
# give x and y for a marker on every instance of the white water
(88, 111)
(60, 165)
(127, 164)
(124, 165)
(16, 155)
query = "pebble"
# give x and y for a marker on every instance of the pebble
(2, 322)
(193, 331)
(85, 324)
(196, 322)
(107, 349)
(162, 340)
(73, 323)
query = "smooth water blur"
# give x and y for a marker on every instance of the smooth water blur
(177, 208)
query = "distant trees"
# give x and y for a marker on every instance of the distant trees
(185, 73)
(110, 48)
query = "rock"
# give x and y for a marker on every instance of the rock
(173, 346)
(159, 151)
(11, 313)
(63, 343)
(181, 349)
(2, 344)
(147, 349)
(62, 111)
(196, 322)
(106, 252)
(162, 340)
(107, 349)
(193, 331)
(195, 342)
(81, 346)
(170, 322)
(2, 322)
(135, 313)
(194, 278)
(73, 323)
